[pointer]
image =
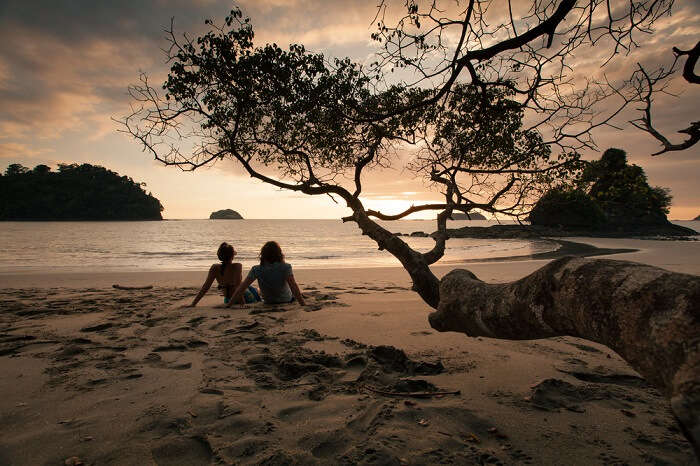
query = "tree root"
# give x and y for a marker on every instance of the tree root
(649, 316)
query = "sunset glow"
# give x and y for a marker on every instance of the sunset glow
(57, 100)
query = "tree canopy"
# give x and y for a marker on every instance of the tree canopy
(298, 121)
(609, 193)
(572, 208)
(489, 118)
(75, 192)
(623, 192)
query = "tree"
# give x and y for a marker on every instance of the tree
(289, 110)
(609, 193)
(568, 208)
(42, 169)
(293, 120)
(622, 190)
(15, 169)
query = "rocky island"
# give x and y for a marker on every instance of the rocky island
(225, 214)
(74, 192)
(611, 199)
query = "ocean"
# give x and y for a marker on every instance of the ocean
(175, 245)
(192, 244)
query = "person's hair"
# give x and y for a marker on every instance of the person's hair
(270, 253)
(225, 254)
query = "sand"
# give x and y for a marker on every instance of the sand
(95, 375)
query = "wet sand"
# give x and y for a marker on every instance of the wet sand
(103, 376)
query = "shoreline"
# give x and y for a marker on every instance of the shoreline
(165, 278)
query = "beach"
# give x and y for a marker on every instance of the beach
(97, 375)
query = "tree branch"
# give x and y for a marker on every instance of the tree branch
(689, 67)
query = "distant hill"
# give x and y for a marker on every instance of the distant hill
(74, 192)
(697, 218)
(225, 214)
(462, 216)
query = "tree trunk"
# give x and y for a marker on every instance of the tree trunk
(425, 283)
(649, 316)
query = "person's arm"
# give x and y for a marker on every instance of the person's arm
(205, 287)
(295, 290)
(238, 294)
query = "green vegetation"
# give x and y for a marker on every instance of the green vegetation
(610, 192)
(74, 192)
(568, 208)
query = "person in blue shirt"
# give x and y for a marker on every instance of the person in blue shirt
(274, 276)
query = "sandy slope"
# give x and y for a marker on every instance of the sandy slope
(128, 377)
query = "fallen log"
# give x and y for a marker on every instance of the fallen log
(410, 394)
(649, 316)
(124, 287)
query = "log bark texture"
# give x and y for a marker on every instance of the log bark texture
(649, 316)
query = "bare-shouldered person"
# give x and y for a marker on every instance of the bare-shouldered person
(228, 275)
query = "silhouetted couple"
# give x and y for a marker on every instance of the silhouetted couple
(274, 276)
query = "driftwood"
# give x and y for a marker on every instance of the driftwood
(123, 287)
(649, 316)
(410, 394)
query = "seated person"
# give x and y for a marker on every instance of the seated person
(274, 276)
(228, 275)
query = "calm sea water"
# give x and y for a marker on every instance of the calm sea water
(192, 244)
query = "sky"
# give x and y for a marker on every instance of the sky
(65, 68)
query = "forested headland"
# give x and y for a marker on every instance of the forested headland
(73, 192)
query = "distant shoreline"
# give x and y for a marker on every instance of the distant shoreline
(184, 277)
(568, 248)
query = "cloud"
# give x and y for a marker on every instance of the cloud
(14, 151)
(65, 68)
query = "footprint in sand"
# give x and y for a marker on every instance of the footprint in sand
(195, 321)
(180, 367)
(219, 325)
(97, 328)
(182, 330)
(174, 347)
(183, 451)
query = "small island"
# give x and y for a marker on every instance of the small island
(225, 214)
(470, 216)
(74, 192)
(697, 218)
